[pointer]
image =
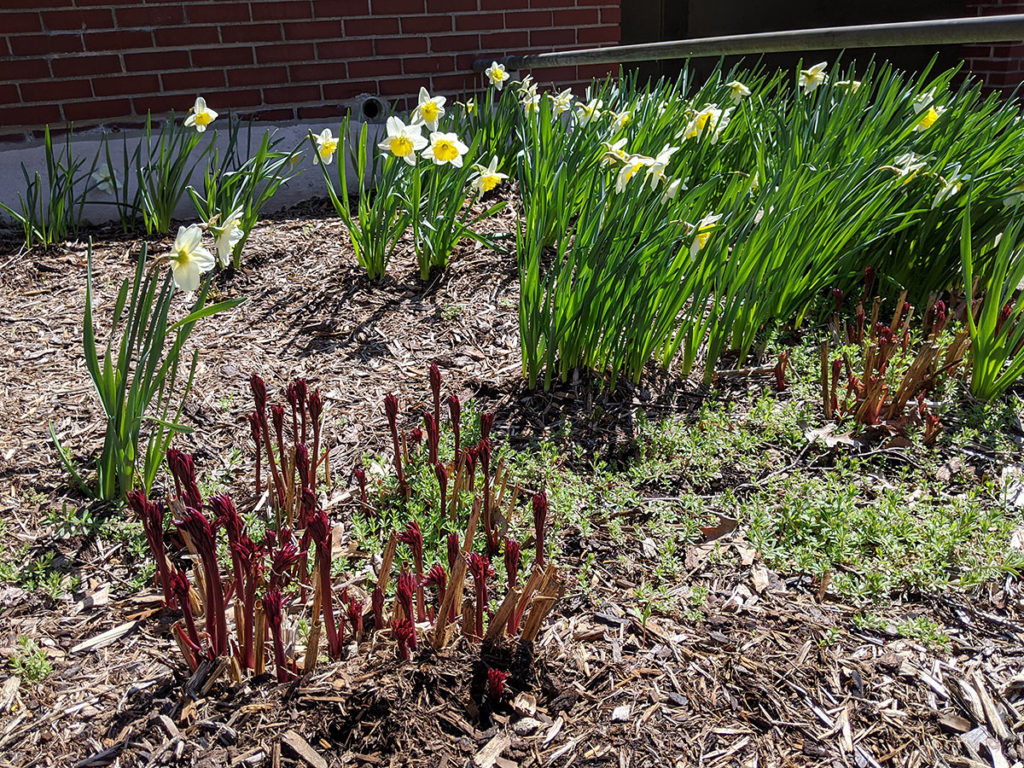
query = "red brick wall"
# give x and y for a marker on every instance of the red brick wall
(95, 61)
(1000, 65)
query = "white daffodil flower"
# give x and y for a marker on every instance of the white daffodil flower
(811, 78)
(620, 119)
(531, 104)
(950, 187)
(105, 179)
(326, 146)
(226, 236)
(445, 148)
(497, 75)
(1016, 197)
(614, 153)
(403, 140)
(672, 190)
(200, 115)
(711, 120)
(703, 230)
(633, 165)
(526, 87)
(907, 166)
(562, 102)
(657, 167)
(931, 114)
(189, 259)
(848, 85)
(737, 91)
(589, 111)
(429, 109)
(486, 177)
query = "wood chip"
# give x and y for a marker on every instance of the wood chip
(301, 749)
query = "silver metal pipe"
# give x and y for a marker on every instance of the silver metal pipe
(981, 29)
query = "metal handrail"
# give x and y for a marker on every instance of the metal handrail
(982, 29)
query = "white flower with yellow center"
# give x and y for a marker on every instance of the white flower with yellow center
(703, 229)
(847, 85)
(589, 111)
(471, 107)
(487, 177)
(620, 119)
(226, 235)
(200, 115)
(737, 91)
(811, 78)
(326, 146)
(931, 114)
(429, 109)
(189, 259)
(562, 102)
(526, 87)
(445, 148)
(614, 153)
(1016, 197)
(950, 187)
(657, 167)
(105, 179)
(403, 140)
(531, 104)
(672, 190)
(497, 75)
(907, 166)
(710, 120)
(633, 165)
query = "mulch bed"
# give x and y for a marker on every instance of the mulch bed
(773, 675)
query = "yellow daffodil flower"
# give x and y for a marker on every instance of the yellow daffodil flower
(403, 140)
(703, 228)
(445, 148)
(429, 109)
(737, 91)
(189, 259)
(487, 177)
(497, 75)
(811, 78)
(226, 236)
(200, 115)
(589, 111)
(326, 146)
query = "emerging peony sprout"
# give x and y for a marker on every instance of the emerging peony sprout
(184, 472)
(404, 592)
(442, 484)
(837, 298)
(405, 633)
(486, 424)
(435, 390)
(273, 608)
(480, 569)
(391, 411)
(483, 452)
(437, 577)
(377, 606)
(540, 517)
(455, 412)
(869, 282)
(254, 430)
(296, 395)
(780, 371)
(414, 538)
(496, 684)
(316, 410)
(198, 529)
(452, 542)
(259, 393)
(416, 437)
(433, 436)
(354, 612)
(512, 558)
(152, 517)
(364, 499)
(277, 418)
(319, 530)
(303, 466)
(179, 586)
(284, 557)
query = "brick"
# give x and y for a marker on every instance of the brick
(488, 22)
(235, 99)
(9, 94)
(375, 68)
(156, 61)
(34, 114)
(549, 38)
(313, 30)
(454, 43)
(196, 79)
(257, 76)
(459, 83)
(370, 27)
(552, 3)
(504, 41)
(597, 35)
(160, 104)
(87, 3)
(123, 40)
(414, 25)
(494, 5)
(399, 46)
(528, 20)
(611, 15)
(319, 112)
(94, 18)
(251, 33)
(97, 110)
(396, 7)
(151, 16)
(578, 17)
(344, 49)
(316, 72)
(125, 86)
(79, 66)
(349, 89)
(596, 71)
(268, 115)
(43, 45)
(427, 64)
(218, 13)
(451, 6)
(291, 94)
(221, 57)
(394, 87)
(282, 9)
(340, 8)
(18, 70)
(554, 74)
(18, 23)
(285, 53)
